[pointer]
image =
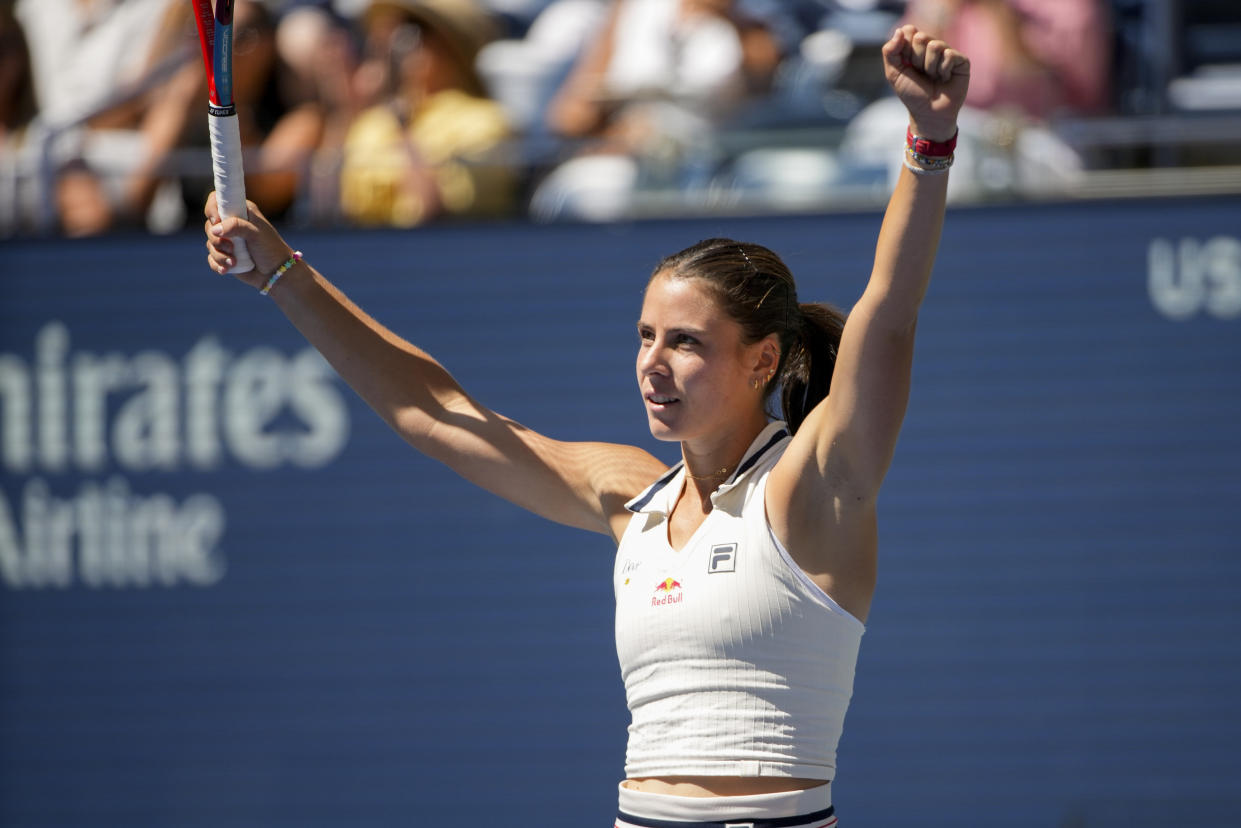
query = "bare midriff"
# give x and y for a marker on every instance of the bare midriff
(720, 785)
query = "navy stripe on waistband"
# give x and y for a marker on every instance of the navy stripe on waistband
(774, 822)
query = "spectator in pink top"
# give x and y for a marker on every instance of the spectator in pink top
(1042, 57)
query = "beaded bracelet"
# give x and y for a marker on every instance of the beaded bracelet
(927, 165)
(914, 168)
(280, 271)
(931, 162)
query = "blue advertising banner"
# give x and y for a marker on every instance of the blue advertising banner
(229, 595)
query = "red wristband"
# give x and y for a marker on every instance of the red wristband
(927, 147)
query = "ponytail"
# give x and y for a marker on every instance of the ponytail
(806, 377)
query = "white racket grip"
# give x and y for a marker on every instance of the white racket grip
(230, 182)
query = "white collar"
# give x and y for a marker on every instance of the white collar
(661, 496)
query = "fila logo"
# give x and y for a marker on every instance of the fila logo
(723, 558)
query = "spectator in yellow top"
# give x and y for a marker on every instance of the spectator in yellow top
(431, 146)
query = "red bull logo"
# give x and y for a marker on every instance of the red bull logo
(667, 591)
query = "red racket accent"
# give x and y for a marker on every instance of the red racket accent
(204, 16)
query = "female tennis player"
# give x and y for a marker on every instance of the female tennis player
(743, 573)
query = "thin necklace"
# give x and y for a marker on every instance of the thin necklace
(723, 472)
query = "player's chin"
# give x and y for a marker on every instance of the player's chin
(662, 427)
(664, 435)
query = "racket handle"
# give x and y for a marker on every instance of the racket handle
(230, 182)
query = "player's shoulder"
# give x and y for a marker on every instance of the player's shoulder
(616, 474)
(619, 469)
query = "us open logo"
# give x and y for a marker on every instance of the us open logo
(723, 558)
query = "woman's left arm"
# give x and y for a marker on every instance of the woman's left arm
(821, 497)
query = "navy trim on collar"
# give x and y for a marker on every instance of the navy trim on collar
(640, 502)
(754, 458)
(643, 500)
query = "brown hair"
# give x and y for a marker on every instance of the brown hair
(756, 289)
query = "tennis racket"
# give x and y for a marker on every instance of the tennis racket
(215, 33)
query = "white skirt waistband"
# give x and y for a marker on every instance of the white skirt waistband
(725, 808)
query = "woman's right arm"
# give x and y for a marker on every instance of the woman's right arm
(579, 484)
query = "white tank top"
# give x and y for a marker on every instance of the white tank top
(735, 663)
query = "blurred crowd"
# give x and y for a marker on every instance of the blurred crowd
(401, 112)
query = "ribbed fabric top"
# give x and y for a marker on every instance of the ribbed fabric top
(734, 662)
